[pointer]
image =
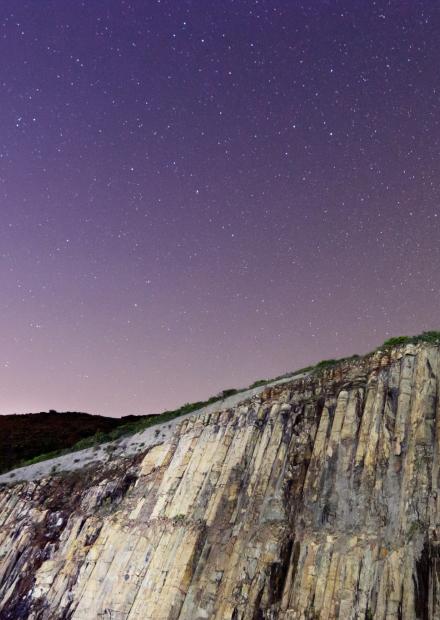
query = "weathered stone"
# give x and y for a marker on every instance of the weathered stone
(315, 499)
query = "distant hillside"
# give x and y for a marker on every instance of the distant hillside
(315, 499)
(29, 438)
(25, 436)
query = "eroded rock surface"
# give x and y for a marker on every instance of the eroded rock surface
(315, 499)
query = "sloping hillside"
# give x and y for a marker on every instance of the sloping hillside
(314, 499)
(23, 437)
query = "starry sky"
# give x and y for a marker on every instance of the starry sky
(195, 194)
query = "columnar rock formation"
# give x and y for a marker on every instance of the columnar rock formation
(317, 499)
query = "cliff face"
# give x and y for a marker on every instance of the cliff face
(316, 499)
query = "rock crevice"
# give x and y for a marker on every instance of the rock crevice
(317, 498)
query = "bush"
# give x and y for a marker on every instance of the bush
(143, 422)
(397, 340)
(430, 336)
(226, 393)
(326, 363)
(258, 383)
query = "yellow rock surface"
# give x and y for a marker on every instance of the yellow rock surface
(314, 500)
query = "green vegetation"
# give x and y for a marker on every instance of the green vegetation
(24, 437)
(136, 424)
(258, 383)
(300, 371)
(42, 457)
(431, 337)
(130, 428)
(226, 393)
(398, 340)
(179, 518)
(326, 363)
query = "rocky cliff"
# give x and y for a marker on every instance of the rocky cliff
(314, 499)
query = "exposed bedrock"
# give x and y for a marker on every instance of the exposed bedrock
(317, 499)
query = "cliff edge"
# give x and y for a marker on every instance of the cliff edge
(316, 498)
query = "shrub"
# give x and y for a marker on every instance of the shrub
(430, 336)
(326, 363)
(258, 383)
(397, 340)
(226, 393)
(143, 422)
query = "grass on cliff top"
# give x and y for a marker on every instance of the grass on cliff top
(142, 423)
(131, 428)
(430, 337)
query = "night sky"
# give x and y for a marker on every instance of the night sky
(195, 194)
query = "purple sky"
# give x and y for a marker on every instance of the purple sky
(198, 194)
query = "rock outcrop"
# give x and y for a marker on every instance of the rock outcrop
(316, 499)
